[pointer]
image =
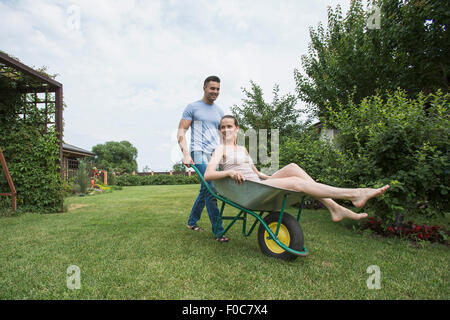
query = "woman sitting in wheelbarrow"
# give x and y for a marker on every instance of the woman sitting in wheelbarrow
(235, 162)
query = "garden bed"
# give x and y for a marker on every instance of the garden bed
(409, 230)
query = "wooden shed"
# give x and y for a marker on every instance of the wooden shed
(71, 159)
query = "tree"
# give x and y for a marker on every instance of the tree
(116, 156)
(350, 60)
(179, 167)
(257, 114)
(262, 118)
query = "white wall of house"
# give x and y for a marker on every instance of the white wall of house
(328, 134)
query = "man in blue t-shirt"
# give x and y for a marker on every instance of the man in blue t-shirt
(203, 117)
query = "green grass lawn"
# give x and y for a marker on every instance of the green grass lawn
(134, 244)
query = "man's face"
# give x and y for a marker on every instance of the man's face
(211, 91)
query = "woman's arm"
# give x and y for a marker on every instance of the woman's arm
(212, 174)
(260, 174)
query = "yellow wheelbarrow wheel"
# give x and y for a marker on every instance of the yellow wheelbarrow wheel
(290, 234)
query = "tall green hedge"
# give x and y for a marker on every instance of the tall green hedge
(136, 180)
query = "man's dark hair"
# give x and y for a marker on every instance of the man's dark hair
(211, 78)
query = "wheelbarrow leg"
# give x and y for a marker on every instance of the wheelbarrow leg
(280, 218)
(281, 215)
(233, 220)
(244, 228)
(300, 210)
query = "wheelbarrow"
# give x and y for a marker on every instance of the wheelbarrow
(279, 234)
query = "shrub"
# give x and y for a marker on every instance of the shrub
(402, 142)
(320, 159)
(112, 179)
(83, 177)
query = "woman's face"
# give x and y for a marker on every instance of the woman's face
(228, 129)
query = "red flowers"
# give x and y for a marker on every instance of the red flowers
(408, 230)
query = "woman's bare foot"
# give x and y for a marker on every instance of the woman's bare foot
(368, 193)
(338, 213)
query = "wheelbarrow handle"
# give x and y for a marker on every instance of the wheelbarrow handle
(200, 175)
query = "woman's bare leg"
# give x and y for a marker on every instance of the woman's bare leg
(304, 183)
(358, 196)
(293, 170)
(337, 211)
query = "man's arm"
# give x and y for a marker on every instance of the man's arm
(183, 127)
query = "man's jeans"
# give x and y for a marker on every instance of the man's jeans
(201, 160)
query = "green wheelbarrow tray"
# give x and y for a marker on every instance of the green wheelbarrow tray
(252, 196)
(256, 196)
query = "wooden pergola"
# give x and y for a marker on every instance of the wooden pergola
(38, 91)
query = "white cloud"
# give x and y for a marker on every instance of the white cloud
(129, 68)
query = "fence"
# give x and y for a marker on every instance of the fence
(172, 173)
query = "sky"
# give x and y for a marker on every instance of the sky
(129, 68)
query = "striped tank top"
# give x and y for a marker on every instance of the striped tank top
(239, 160)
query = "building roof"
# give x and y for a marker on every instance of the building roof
(76, 150)
(25, 78)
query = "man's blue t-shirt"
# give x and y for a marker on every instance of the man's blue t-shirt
(204, 127)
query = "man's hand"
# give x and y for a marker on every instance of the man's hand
(187, 161)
